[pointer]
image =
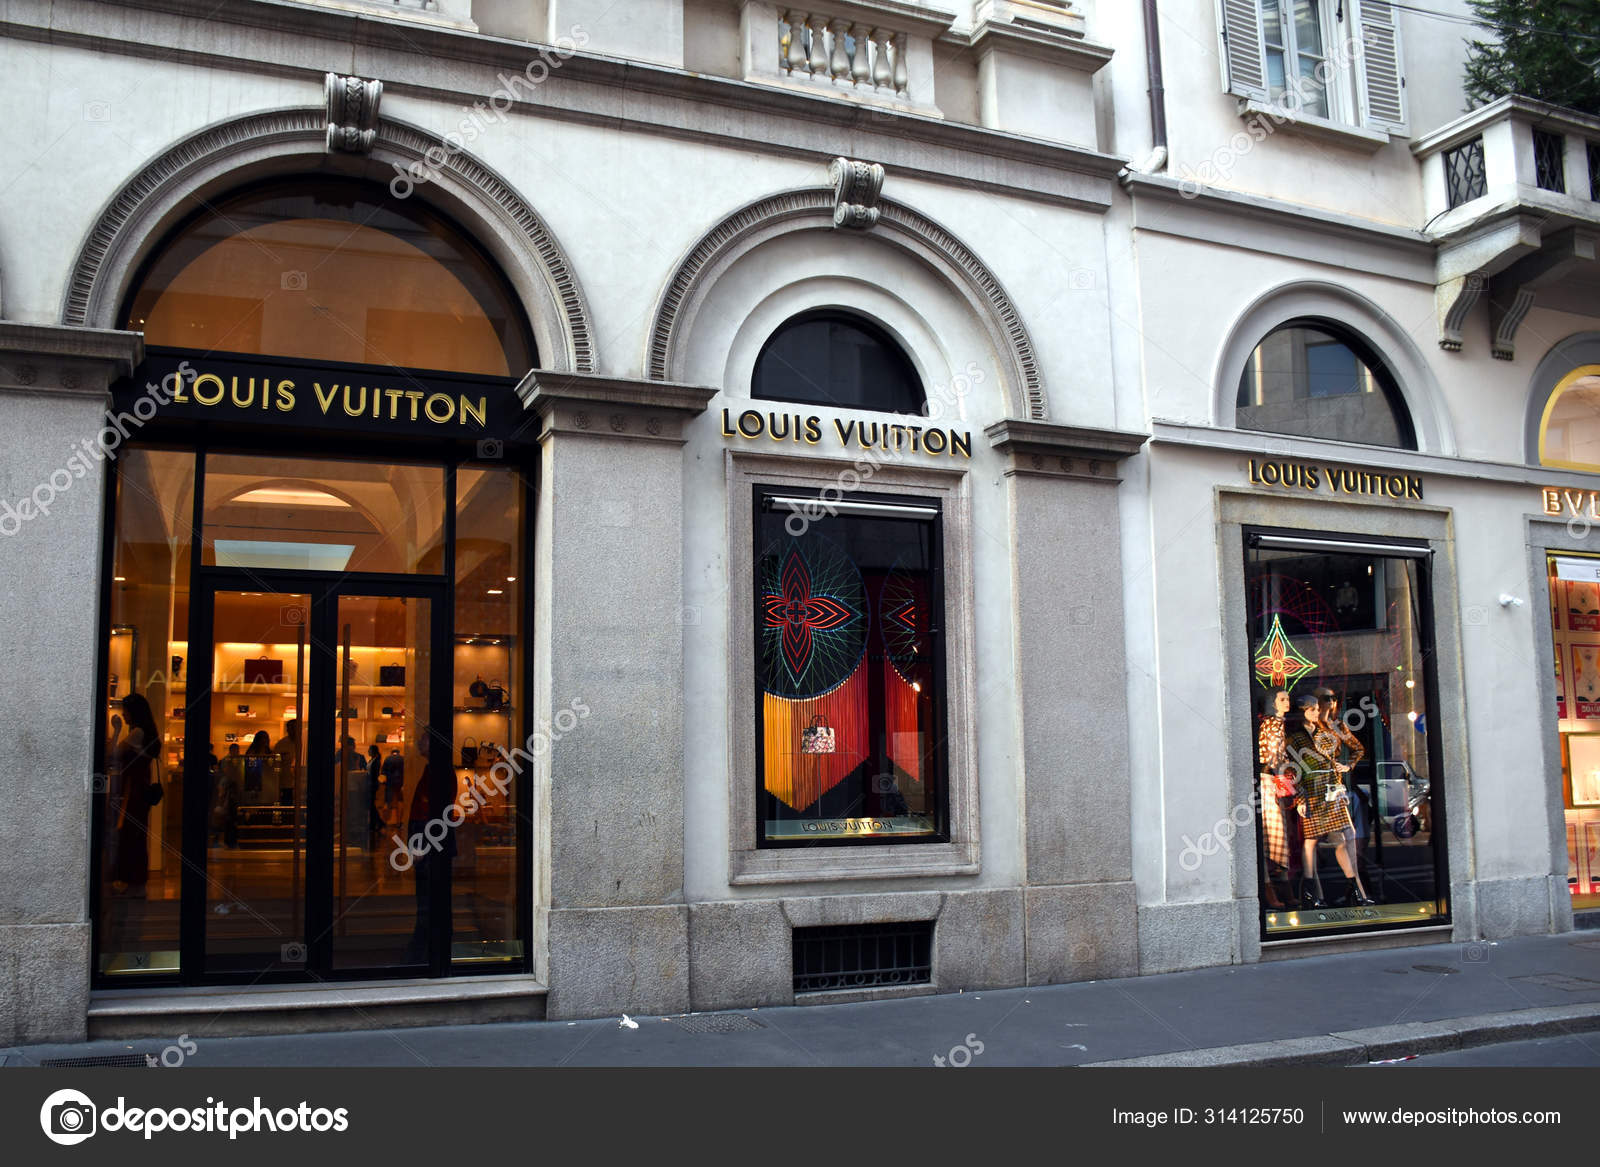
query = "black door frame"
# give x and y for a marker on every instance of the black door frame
(324, 590)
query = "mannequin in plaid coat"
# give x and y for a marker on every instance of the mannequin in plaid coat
(1277, 784)
(1323, 801)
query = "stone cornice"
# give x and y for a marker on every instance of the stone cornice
(1251, 443)
(612, 407)
(1063, 450)
(59, 359)
(1195, 211)
(306, 42)
(1053, 48)
(539, 389)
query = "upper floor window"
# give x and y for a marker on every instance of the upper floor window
(1309, 380)
(830, 358)
(330, 269)
(1337, 60)
(1569, 434)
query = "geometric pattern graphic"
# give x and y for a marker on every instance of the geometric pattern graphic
(903, 619)
(813, 621)
(1278, 664)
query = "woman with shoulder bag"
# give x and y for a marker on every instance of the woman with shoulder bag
(136, 763)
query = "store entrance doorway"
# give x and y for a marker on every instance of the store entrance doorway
(326, 703)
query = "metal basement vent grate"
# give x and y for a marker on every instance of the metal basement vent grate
(863, 956)
(105, 1061)
(716, 1023)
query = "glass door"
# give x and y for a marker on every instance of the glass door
(381, 786)
(326, 842)
(255, 797)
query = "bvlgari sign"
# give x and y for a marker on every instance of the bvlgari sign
(243, 389)
(1328, 479)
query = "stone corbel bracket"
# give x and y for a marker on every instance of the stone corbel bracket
(611, 407)
(1063, 451)
(1512, 292)
(1464, 268)
(352, 113)
(856, 187)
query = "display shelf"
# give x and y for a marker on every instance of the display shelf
(503, 709)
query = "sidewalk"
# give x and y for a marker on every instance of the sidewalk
(1325, 1010)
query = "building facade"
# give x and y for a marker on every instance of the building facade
(523, 509)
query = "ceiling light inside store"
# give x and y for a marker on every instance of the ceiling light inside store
(289, 496)
(496, 592)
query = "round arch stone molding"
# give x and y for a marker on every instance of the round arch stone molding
(1314, 300)
(283, 142)
(812, 209)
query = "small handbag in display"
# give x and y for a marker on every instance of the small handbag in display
(391, 675)
(817, 738)
(469, 751)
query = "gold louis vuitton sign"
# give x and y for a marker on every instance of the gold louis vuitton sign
(1331, 479)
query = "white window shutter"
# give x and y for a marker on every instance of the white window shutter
(1380, 68)
(1244, 56)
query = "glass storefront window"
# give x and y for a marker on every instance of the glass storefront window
(849, 668)
(140, 856)
(1306, 379)
(1574, 582)
(302, 514)
(328, 832)
(1347, 803)
(489, 703)
(1569, 432)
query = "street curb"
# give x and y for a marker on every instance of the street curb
(1357, 1047)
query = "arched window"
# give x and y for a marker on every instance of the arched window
(1311, 379)
(331, 270)
(1569, 432)
(830, 358)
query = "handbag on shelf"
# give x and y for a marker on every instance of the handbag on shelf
(391, 675)
(817, 737)
(469, 751)
(262, 670)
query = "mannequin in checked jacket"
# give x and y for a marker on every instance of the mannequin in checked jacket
(1323, 802)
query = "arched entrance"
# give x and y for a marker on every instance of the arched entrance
(317, 599)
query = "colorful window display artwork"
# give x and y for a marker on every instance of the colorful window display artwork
(848, 657)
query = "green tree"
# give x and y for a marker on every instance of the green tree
(1545, 49)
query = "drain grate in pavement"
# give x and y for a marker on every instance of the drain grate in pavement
(105, 1061)
(716, 1023)
(1564, 981)
(1440, 969)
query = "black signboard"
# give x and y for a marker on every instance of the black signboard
(182, 388)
